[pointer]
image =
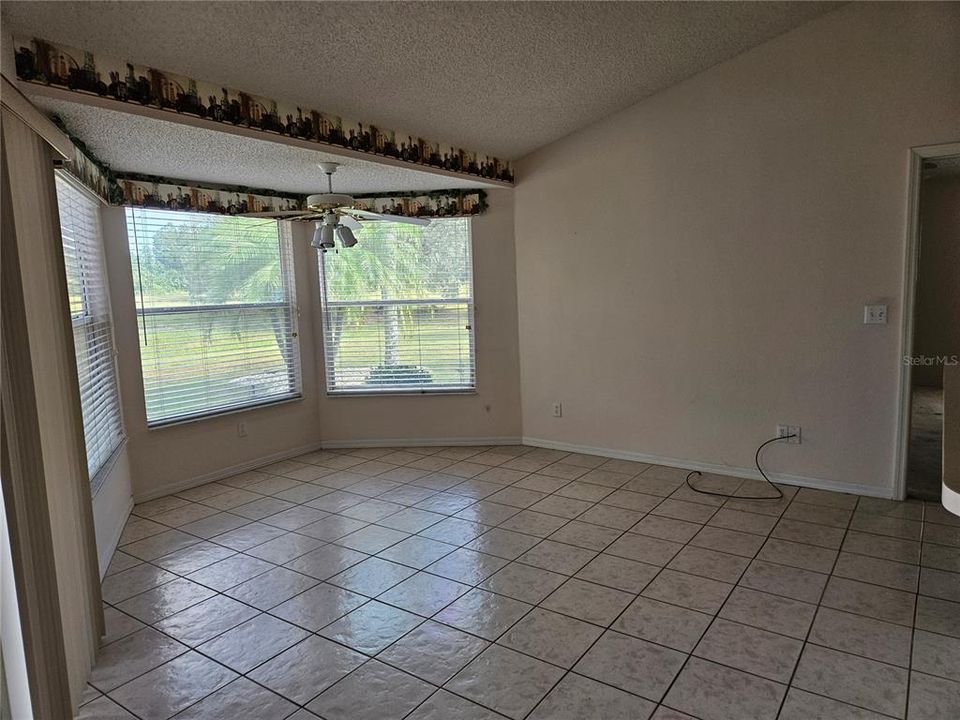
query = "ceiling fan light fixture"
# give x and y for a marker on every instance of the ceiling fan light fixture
(345, 236)
(326, 237)
(317, 236)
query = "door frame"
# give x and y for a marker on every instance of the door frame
(909, 289)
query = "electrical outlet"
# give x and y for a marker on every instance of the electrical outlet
(874, 314)
(241, 429)
(788, 430)
(558, 409)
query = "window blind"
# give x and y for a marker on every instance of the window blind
(92, 323)
(398, 310)
(216, 304)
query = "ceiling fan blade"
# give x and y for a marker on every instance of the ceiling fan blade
(389, 218)
(273, 214)
(350, 222)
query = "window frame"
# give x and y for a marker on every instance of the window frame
(95, 327)
(469, 302)
(290, 303)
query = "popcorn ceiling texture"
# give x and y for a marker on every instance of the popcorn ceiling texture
(499, 77)
(136, 144)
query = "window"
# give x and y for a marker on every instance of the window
(92, 324)
(398, 310)
(217, 311)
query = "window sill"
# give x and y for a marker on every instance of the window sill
(161, 424)
(396, 393)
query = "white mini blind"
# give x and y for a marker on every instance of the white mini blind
(216, 304)
(398, 310)
(92, 323)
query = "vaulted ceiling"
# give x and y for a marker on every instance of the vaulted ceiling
(501, 77)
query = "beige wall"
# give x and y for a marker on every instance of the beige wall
(167, 458)
(937, 326)
(693, 270)
(493, 413)
(164, 459)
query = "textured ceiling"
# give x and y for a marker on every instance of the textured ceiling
(132, 143)
(499, 77)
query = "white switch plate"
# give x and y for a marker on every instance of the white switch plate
(557, 409)
(874, 314)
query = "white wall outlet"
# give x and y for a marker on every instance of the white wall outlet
(874, 314)
(241, 429)
(786, 431)
(558, 409)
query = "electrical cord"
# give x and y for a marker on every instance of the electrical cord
(756, 460)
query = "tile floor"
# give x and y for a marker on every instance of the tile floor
(479, 583)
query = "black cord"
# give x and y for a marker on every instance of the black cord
(756, 460)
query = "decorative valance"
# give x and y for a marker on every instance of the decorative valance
(47, 63)
(166, 193)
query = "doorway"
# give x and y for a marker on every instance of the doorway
(934, 324)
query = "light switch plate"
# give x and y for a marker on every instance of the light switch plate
(874, 314)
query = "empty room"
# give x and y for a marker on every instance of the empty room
(480, 360)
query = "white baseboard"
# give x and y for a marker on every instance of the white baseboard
(224, 472)
(749, 473)
(420, 442)
(107, 552)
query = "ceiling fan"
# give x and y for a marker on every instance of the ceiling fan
(334, 215)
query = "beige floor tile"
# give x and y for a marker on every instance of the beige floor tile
(103, 708)
(728, 541)
(770, 612)
(433, 652)
(557, 639)
(790, 582)
(248, 536)
(503, 543)
(319, 606)
(715, 692)
(505, 681)
(853, 679)
(641, 548)
(374, 691)
(172, 687)
(205, 620)
(933, 697)
(936, 655)
(873, 601)
(666, 528)
(631, 664)
(801, 705)
(443, 705)
(272, 588)
(131, 656)
(483, 613)
(659, 622)
(750, 649)
(371, 576)
(576, 697)
(939, 616)
(557, 557)
(692, 591)
(861, 635)
(709, 563)
(253, 642)
(285, 548)
(303, 671)
(234, 700)
(122, 585)
(165, 600)
(371, 627)
(523, 582)
(467, 566)
(900, 576)
(620, 573)
(810, 533)
(799, 555)
(228, 573)
(588, 601)
(326, 561)
(424, 594)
